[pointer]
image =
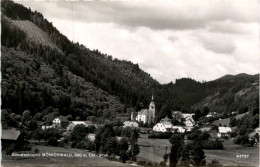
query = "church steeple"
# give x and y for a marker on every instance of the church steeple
(152, 108)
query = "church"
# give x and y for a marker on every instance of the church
(146, 115)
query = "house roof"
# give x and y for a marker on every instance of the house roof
(79, 123)
(252, 134)
(130, 123)
(167, 124)
(10, 134)
(186, 115)
(224, 129)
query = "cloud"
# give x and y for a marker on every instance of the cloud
(203, 40)
(178, 15)
(218, 43)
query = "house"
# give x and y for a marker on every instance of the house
(91, 137)
(60, 121)
(179, 129)
(11, 138)
(44, 127)
(253, 135)
(177, 115)
(72, 124)
(189, 122)
(209, 116)
(223, 131)
(147, 115)
(188, 118)
(130, 124)
(162, 127)
(187, 115)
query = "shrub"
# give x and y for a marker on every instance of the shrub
(212, 144)
(53, 141)
(214, 163)
(160, 135)
(233, 134)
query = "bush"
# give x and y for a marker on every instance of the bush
(214, 163)
(160, 135)
(53, 141)
(233, 134)
(243, 140)
(10, 149)
(212, 144)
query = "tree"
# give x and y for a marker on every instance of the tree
(197, 154)
(197, 115)
(111, 146)
(232, 122)
(39, 134)
(164, 111)
(205, 111)
(214, 127)
(26, 116)
(123, 147)
(78, 133)
(175, 154)
(135, 150)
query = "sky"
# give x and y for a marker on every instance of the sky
(199, 39)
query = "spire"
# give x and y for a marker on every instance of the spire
(152, 97)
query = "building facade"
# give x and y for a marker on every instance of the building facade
(147, 115)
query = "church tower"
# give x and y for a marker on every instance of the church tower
(152, 109)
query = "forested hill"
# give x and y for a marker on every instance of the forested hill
(42, 68)
(224, 95)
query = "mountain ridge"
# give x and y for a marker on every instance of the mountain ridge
(124, 80)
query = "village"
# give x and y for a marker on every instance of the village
(139, 132)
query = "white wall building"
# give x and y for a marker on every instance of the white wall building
(179, 129)
(147, 115)
(130, 124)
(71, 126)
(223, 131)
(162, 127)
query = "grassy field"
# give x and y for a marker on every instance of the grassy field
(227, 157)
(226, 120)
(152, 149)
(9, 161)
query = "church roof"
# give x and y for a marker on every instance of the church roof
(144, 112)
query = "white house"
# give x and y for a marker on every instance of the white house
(60, 121)
(91, 137)
(72, 124)
(223, 131)
(162, 127)
(46, 127)
(209, 116)
(147, 115)
(179, 129)
(189, 122)
(130, 124)
(187, 115)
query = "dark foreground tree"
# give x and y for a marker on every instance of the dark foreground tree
(175, 154)
(198, 155)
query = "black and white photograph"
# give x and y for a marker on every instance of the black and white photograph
(124, 83)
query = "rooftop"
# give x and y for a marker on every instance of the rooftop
(10, 134)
